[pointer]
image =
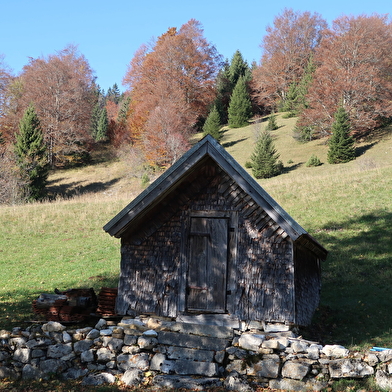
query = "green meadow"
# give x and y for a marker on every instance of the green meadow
(346, 207)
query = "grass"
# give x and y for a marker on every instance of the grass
(347, 208)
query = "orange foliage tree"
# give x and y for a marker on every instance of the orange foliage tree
(171, 85)
(61, 89)
(287, 48)
(354, 68)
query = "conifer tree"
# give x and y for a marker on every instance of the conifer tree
(240, 108)
(341, 144)
(272, 124)
(212, 124)
(32, 159)
(95, 120)
(264, 160)
(238, 67)
(103, 123)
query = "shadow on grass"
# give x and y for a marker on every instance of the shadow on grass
(355, 306)
(362, 149)
(16, 305)
(288, 169)
(233, 142)
(71, 189)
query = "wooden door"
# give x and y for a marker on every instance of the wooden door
(207, 264)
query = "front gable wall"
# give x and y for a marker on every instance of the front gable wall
(260, 270)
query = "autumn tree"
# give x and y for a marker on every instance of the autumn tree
(31, 155)
(287, 47)
(61, 89)
(240, 108)
(354, 64)
(171, 85)
(341, 143)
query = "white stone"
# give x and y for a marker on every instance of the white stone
(53, 326)
(93, 334)
(67, 337)
(335, 351)
(106, 332)
(132, 377)
(251, 341)
(151, 333)
(157, 361)
(295, 370)
(101, 324)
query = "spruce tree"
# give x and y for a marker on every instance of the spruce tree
(95, 121)
(264, 160)
(238, 67)
(240, 108)
(341, 144)
(32, 159)
(212, 124)
(272, 124)
(103, 123)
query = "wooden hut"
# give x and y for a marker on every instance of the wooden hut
(206, 238)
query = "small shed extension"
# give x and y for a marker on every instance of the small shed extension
(206, 238)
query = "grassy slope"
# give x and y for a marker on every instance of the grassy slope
(347, 207)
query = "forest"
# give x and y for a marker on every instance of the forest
(335, 79)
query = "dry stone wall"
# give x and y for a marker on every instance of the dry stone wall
(170, 354)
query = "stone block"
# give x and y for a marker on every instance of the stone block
(192, 341)
(335, 351)
(266, 368)
(105, 355)
(87, 356)
(349, 368)
(273, 344)
(53, 326)
(157, 361)
(203, 330)
(132, 377)
(295, 370)
(99, 379)
(31, 372)
(22, 355)
(183, 367)
(52, 366)
(138, 361)
(383, 380)
(174, 382)
(147, 342)
(82, 345)
(288, 384)
(251, 341)
(190, 354)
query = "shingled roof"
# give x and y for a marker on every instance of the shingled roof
(208, 147)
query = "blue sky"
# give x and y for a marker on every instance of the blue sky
(108, 33)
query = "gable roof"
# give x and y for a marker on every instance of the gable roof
(171, 178)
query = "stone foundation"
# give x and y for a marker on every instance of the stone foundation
(166, 353)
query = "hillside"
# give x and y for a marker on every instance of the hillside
(347, 207)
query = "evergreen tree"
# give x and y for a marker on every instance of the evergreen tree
(272, 124)
(341, 144)
(212, 124)
(102, 128)
(240, 108)
(224, 90)
(264, 160)
(31, 155)
(95, 115)
(114, 94)
(238, 67)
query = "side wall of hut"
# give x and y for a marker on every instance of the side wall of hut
(261, 269)
(307, 284)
